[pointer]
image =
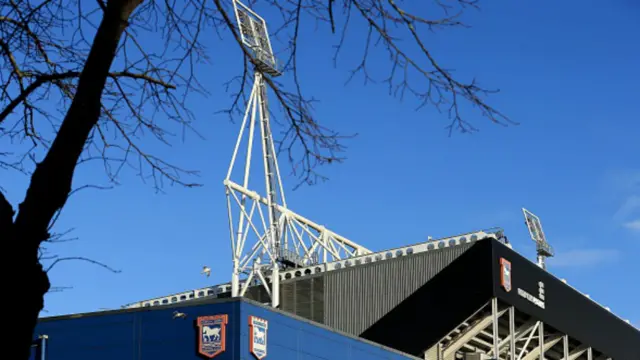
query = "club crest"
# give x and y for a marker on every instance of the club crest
(505, 274)
(211, 335)
(258, 337)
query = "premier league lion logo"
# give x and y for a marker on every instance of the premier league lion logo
(211, 332)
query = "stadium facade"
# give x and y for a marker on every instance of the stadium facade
(440, 300)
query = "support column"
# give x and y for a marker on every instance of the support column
(43, 346)
(496, 333)
(589, 354)
(512, 333)
(434, 353)
(275, 286)
(565, 347)
(541, 340)
(235, 280)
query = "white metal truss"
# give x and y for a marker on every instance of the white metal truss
(517, 335)
(468, 334)
(266, 236)
(497, 328)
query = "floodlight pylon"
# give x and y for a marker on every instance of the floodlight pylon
(267, 236)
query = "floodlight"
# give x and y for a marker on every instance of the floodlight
(254, 35)
(534, 225)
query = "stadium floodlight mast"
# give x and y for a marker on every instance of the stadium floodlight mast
(267, 237)
(543, 249)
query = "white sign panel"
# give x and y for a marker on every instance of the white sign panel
(258, 337)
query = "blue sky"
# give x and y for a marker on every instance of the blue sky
(568, 73)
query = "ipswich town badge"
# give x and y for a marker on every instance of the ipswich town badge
(211, 335)
(258, 337)
(505, 274)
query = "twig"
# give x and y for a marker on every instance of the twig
(80, 258)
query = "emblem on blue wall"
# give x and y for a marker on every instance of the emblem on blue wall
(258, 336)
(211, 333)
(505, 274)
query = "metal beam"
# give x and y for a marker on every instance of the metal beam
(518, 334)
(531, 334)
(578, 352)
(469, 334)
(478, 340)
(448, 338)
(538, 351)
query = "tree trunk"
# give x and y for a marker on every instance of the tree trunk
(52, 179)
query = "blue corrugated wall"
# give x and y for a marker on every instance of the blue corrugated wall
(289, 338)
(154, 335)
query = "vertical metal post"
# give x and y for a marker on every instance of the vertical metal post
(268, 160)
(275, 287)
(235, 280)
(496, 334)
(43, 347)
(589, 354)
(325, 242)
(512, 333)
(238, 242)
(565, 346)
(541, 339)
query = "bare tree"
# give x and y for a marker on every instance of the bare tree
(84, 81)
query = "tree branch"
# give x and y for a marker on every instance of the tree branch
(6, 214)
(80, 258)
(41, 79)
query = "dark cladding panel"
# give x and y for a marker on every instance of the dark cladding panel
(287, 297)
(564, 308)
(257, 293)
(357, 297)
(303, 297)
(437, 307)
(318, 299)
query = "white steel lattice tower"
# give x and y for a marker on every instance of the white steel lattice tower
(267, 237)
